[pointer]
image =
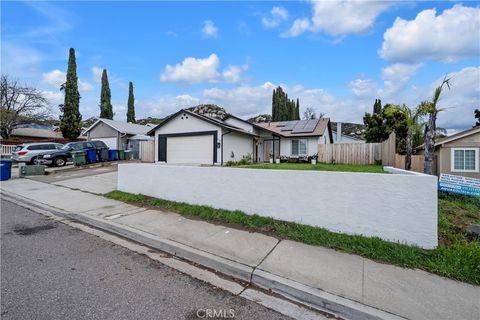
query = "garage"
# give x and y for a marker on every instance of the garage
(187, 149)
(110, 142)
(186, 137)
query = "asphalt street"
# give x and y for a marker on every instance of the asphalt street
(53, 271)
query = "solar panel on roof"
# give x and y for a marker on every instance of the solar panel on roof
(281, 124)
(308, 127)
(300, 124)
(289, 125)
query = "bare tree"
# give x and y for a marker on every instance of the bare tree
(20, 104)
(309, 113)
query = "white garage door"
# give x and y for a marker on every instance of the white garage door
(193, 150)
(110, 142)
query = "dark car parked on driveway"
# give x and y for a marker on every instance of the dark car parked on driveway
(61, 157)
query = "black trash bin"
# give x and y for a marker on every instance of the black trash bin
(103, 154)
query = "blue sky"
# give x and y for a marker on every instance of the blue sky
(337, 57)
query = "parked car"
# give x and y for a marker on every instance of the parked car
(61, 157)
(28, 152)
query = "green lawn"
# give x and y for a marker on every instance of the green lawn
(372, 168)
(457, 256)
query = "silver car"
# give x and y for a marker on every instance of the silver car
(28, 152)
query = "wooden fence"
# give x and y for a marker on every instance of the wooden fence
(359, 153)
(417, 163)
(147, 151)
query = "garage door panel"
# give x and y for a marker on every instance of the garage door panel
(190, 149)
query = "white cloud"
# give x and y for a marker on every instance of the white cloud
(193, 70)
(57, 77)
(97, 73)
(209, 29)
(299, 26)
(277, 16)
(396, 76)
(54, 98)
(164, 106)
(198, 70)
(85, 86)
(339, 18)
(54, 77)
(448, 37)
(232, 74)
(460, 101)
(363, 88)
(247, 101)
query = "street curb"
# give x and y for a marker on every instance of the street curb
(222, 265)
(292, 290)
(225, 266)
(319, 299)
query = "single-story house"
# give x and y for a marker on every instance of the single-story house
(459, 154)
(191, 138)
(116, 134)
(31, 134)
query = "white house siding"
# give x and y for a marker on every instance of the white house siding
(101, 130)
(240, 124)
(240, 144)
(187, 125)
(286, 145)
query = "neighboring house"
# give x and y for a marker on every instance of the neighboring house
(115, 134)
(29, 134)
(459, 154)
(191, 138)
(341, 138)
(34, 134)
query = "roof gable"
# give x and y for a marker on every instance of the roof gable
(122, 127)
(201, 117)
(459, 135)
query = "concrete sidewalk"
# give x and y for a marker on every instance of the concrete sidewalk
(347, 285)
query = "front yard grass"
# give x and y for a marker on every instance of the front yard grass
(371, 168)
(456, 257)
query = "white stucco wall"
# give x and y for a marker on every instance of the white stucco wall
(240, 144)
(390, 206)
(192, 124)
(240, 124)
(286, 145)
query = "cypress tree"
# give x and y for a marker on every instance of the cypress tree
(130, 105)
(283, 108)
(377, 106)
(70, 119)
(297, 109)
(106, 109)
(274, 105)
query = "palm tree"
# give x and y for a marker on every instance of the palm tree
(432, 110)
(414, 132)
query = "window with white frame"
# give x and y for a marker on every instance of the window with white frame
(299, 147)
(465, 159)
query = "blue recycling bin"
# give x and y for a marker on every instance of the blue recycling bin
(91, 155)
(113, 154)
(5, 169)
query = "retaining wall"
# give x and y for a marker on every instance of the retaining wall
(394, 207)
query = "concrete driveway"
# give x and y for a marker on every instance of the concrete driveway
(97, 180)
